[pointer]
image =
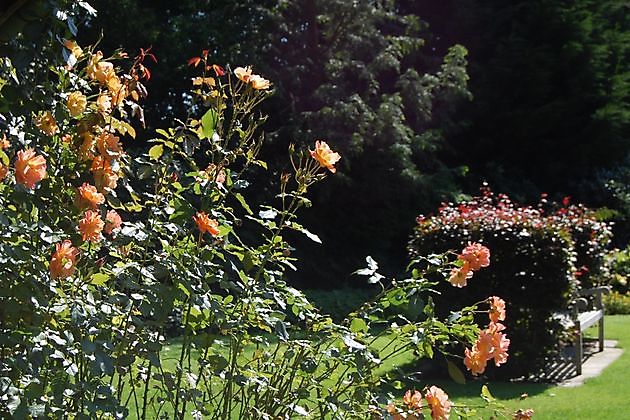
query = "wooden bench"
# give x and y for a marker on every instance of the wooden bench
(588, 309)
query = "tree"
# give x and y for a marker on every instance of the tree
(355, 74)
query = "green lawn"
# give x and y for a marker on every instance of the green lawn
(604, 397)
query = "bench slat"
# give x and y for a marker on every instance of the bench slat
(588, 319)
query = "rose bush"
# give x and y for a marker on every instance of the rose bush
(101, 245)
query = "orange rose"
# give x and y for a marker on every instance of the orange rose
(243, 73)
(104, 175)
(46, 123)
(88, 196)
(476, 255)
(73, 47)
(439, 403)
(29, 168)
(76, 103)
(459, 276)
(325, 156)
(112, 221)
(205, 224)
(108, 145)
(62, 262)
(91, 226)
(497, 309)
(99, 70)
(259, 83)
(413, 400)
(117, 89)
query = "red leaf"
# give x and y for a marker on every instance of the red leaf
(194, 61)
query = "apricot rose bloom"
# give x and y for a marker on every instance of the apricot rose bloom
(325, 156)
(206, 224)
(413, 400)
(497, 309)
(73, 47)
(459, 276)
(476, 255)
(439, 403)
(47, 124)
(475, 360)
(112, 221)
(63, 261)
(89, 197)
(108, 145)
(76, 103)
(259, 83)
(99, 70)
(243, 73)
(91, 226)
(29, 168)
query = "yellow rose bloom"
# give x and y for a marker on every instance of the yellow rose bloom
(76, 103)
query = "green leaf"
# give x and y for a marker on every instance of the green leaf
(357, 324)
(4, 158)
(209, 123)
(486, 395)
(156, 151)
(241, 200)
(99, 279)
(455, 373)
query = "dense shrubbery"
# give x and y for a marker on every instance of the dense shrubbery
(540, 258)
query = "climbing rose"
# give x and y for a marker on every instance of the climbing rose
(259, 83)
(205, 224)
(104, 175)
(497, 309)
(413, 400)
(91, 226)
(29, 168)
(47, 124)
(62, 263)
(439, 403)
(243, 73)
(325, 156)
(460, 275)
(76, 103)
(89, 197)
(476, 255)
(112, 221)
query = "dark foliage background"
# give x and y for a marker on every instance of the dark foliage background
(539, 104)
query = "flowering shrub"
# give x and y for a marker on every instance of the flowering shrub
(540, 257)
(100, 246)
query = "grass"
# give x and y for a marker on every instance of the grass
(603, 397)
